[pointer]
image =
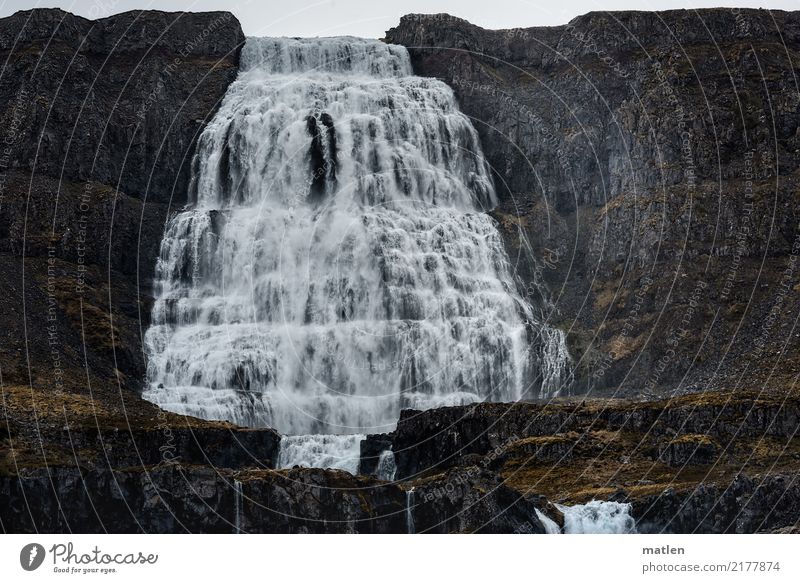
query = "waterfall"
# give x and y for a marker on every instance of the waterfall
(334, 264)
(550, 525)
(237, 506)
(409, 515)
(597, 517)
(386, 466)
(342, 452)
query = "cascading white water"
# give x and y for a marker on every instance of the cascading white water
(410, 528)
(341, 452)
(237, 506)
(386, 466)
(598, 517)
(334, 264)
(550, 525)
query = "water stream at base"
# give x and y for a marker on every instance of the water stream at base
(386, 466)
(409, 515)
(237, 506)
(550, 525)
(598, 517)
(341, 452)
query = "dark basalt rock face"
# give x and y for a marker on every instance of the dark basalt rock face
(694, 450)
(219, 447)
(440, 438)
(370, 452)
(651, 161)
(746, 505)
(677, 431)
(100, 119)
(470, 499)
(119, 100)
(322, 501)
(172, 499)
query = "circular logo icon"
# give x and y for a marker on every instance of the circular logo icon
(31, 556)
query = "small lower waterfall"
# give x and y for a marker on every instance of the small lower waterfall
(409, 515)
(341, 452)
(550, 525)
(237, 506)
(386, 466)
(598, 517)
(335, 263)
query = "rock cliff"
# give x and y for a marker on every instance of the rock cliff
(647, 166)
(99, 120)
(648, 169)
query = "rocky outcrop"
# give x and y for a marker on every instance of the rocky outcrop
(676, 431)
(689, 450)
(371, 449)
(745, 505)
(648, 168)
(469, 499)
(739, 475)
(172, 498)
(99, 121)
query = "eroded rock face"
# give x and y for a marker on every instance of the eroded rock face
(581, 125)
(441, 438)
(651, 160)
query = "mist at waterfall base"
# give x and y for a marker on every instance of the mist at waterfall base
(335, 264)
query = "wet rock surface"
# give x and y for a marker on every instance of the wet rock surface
(370, 453)
(689, 449)
(680, 430)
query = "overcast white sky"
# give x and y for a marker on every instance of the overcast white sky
(371, 18)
